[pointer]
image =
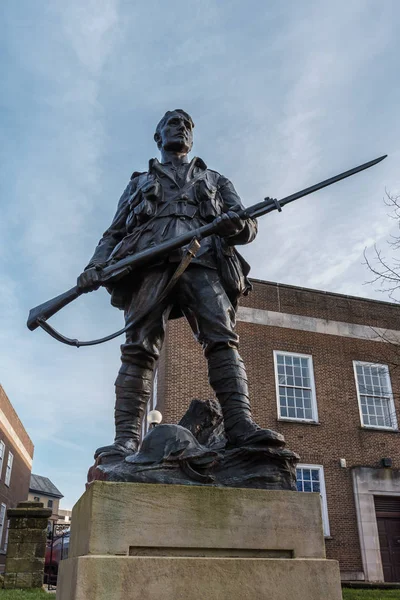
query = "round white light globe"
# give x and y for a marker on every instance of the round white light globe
(154, 417)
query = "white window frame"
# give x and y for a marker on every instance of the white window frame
(314, 407)
(324, 502)
(145, 425)
(6, 538)
(392, 407)
(2, 452)
(3, 518)
(9, 467)
(151, 404)
(154, 391)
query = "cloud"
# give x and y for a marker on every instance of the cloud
(283, 96)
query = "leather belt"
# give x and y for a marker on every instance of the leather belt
(179, 208)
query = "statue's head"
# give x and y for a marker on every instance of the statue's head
(175, 131)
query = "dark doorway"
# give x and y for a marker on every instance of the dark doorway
(388, 518)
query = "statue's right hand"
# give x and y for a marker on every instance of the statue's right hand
(89, 280)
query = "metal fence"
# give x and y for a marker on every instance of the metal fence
(57, 549)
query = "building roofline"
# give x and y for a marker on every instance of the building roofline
(323, 292)
(43, 485)
(42, 493)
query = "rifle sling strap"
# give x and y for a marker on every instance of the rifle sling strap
(190, 253)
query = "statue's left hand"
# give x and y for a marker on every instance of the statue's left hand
(89, 280)
(229, 224)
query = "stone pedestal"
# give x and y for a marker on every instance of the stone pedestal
(26, 546)
(167, 542)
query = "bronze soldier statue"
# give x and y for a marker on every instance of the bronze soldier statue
(173, 197)
(176, 202)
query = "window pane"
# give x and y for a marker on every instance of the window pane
(308, 414)
(315, 475)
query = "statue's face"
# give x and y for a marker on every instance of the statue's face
(177, 134)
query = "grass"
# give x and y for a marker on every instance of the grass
(37, 594)
(349, 594)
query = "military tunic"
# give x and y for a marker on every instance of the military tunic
(162, 204)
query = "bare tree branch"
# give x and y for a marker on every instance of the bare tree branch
(386, 272)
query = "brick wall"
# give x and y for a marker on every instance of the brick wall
(18, 489)
(183, 376)
(11, 415)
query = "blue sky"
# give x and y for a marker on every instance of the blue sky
(283, 94)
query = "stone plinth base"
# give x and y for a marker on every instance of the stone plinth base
(164, 578)
(166, 542)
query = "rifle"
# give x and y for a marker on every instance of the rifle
(39, 315)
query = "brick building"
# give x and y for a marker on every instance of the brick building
(16, 455)
(322, 372)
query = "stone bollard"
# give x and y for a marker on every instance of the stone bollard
(26, 547)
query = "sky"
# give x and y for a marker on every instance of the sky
(283, 95)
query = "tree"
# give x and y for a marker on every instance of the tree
(386, 273)
(386, 270)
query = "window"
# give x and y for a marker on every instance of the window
(6, 538)
(295, 388)
(310, 478)
(36, 498)
(375, 396)
(3, 509)
(145, 425)
(154, 391)
(9, 468)
(151, 405)
(2, 450)
(49, 503)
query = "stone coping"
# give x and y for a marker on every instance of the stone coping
(36, 513)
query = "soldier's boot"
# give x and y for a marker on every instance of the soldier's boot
(132, 390)
(228, 378)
